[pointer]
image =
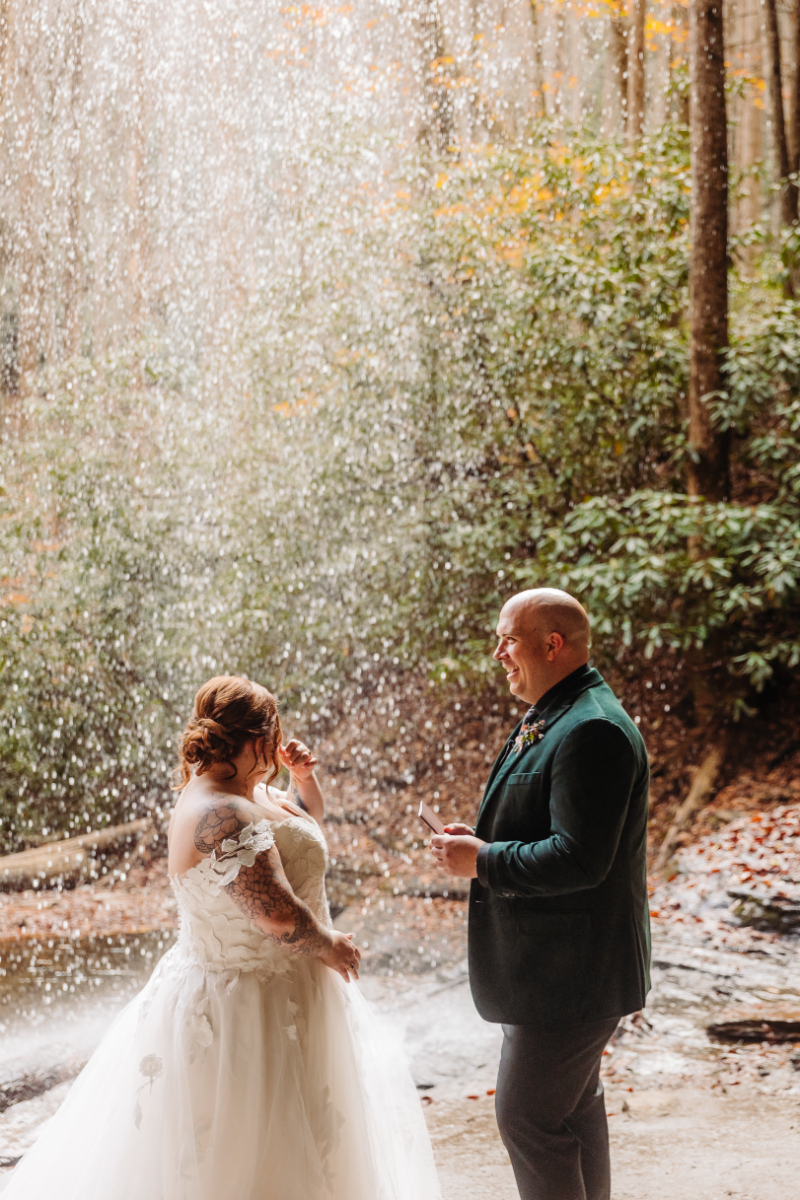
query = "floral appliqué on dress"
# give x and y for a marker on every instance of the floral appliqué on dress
(151, 1067)
(529, 735)
(238, 852)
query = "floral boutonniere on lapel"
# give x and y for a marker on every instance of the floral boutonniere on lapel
(529, 735)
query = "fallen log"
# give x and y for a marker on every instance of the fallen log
(56, 864)
(37, 1078)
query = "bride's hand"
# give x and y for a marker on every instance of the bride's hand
(298, 759)
(344, 956)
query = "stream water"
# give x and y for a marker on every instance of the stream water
(57, 998)
(42, 981)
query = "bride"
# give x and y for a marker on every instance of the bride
(247, 1068)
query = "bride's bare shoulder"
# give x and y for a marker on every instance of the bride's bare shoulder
(211, 817)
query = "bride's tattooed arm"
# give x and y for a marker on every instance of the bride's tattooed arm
(262, 891)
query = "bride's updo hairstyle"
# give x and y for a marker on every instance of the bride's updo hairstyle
(228, 713)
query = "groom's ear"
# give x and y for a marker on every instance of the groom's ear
(554, 644)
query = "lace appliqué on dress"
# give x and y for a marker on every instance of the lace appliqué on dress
(220, 869)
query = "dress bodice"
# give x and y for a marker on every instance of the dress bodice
(214, 931)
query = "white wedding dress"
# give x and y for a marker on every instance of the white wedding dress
(241, 1071)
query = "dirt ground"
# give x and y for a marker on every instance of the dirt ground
(691, 1117)
(677, 1145)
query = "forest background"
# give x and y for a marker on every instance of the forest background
(324, 329)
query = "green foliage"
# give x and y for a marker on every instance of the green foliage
(94, 628)
(462, 386)
(502, 343)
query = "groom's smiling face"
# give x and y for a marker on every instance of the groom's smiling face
(521, 652)
(544, 636)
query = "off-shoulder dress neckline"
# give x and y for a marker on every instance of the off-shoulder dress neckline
(254, 826)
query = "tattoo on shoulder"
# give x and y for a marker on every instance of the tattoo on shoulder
(221, 821)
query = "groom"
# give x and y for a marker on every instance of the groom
(559, 937)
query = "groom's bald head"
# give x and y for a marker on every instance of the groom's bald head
(549, 610)
(544, 635)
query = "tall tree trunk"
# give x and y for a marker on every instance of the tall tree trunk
(73, 281)
(618, 46)
(708, 466)
(774, 78)
(636, 71)
(708, 469)
(137, 190)
(437, 122)
(610, 90)
(751, 119)
(794, 103)
(27, 251)
(681, 103)
(538, 58)
(559, 73)
(9, 319)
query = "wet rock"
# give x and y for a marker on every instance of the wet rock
(778, 914)
(772, 1030)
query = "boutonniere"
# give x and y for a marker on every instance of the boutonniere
(529, 735)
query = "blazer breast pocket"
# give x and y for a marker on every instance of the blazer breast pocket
(523, 781)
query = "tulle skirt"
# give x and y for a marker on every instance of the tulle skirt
(229, 1087)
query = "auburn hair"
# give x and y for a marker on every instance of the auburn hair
(229, 712)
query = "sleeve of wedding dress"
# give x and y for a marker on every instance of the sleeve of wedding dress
(254, 879)
(240, 851)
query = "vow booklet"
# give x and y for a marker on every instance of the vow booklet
(430, 818)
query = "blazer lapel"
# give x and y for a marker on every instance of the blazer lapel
(507, 760)
(497, 768)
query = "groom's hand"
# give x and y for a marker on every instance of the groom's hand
(458, 853)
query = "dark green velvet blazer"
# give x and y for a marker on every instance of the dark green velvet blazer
(559, 927)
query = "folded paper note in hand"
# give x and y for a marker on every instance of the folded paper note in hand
(430, 818)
